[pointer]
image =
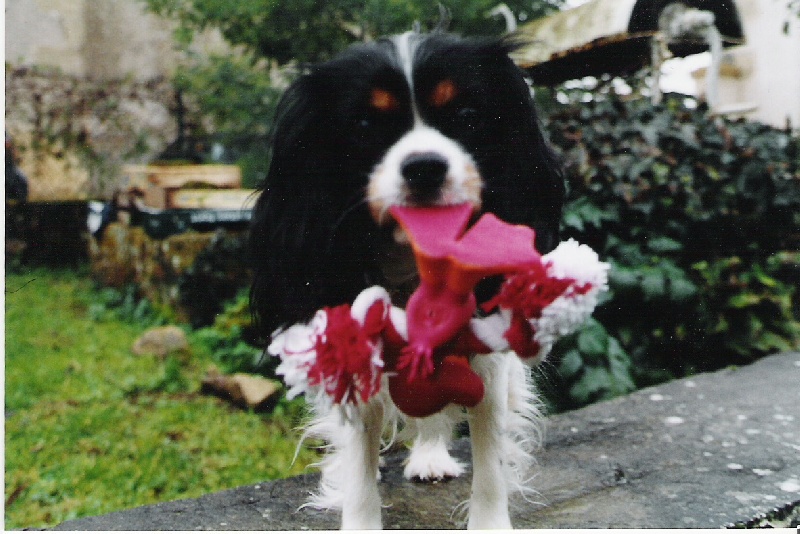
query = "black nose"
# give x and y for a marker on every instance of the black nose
(425, 174)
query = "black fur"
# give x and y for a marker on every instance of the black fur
(313, 241)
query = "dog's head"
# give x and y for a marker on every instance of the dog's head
(415, 119)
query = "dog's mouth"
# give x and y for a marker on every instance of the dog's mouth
(451, 193)
(423, 169)
(399, 234)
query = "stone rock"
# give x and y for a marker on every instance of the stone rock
(707, 451)
(161, 341)
(255, 392)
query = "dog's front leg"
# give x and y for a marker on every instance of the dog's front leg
(488, 506)
(430, 458)
(361, 504)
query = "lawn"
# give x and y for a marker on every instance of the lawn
(91, 428)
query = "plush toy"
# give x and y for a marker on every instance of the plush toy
(344, 353)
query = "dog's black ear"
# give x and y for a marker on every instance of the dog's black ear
(298, 257)
(530, 190)
(545, 172)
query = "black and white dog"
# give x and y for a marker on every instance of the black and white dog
(414, 119)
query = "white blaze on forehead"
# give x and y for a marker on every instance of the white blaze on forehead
(406, 45)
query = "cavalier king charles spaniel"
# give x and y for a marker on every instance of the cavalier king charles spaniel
(412, 120)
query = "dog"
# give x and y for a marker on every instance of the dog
(416, 119)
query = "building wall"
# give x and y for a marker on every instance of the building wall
(762, 77)
(46, 32)
(99, 39)
(87, 90)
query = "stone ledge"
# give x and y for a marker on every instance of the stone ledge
(707, 451)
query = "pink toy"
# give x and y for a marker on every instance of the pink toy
(450, 265)
(344, 352)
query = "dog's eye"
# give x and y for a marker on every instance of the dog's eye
(363, 123)
(467, 113)
(469, 117)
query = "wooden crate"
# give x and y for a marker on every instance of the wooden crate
(211, 198)
(159, 182)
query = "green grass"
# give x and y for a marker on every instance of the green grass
(91, 428)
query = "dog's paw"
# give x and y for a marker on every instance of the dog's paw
(431, 463)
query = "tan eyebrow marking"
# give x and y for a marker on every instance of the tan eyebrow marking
(383, 100)
(444, 93)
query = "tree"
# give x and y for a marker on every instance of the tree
(233, 97)
(310, 30)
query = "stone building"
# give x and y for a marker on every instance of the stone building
(760, 79)
(87, 90)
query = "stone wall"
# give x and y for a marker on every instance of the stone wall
(164, 270)
(72, 134)
(87, 89)
(713, 450)
(97, 39)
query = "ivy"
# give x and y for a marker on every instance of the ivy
(699, 217)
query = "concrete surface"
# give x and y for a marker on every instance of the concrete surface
(707, 451)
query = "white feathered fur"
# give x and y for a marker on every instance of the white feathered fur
(505, 429)
(504, 426)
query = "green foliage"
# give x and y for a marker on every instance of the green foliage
(311, 31)
(124, 304)
(697, 216)
(232, 98)
(90, 428)
(748, 309)
(591, 365)
(170, 378)
(227, 340)
(236, 89)
(236, 99)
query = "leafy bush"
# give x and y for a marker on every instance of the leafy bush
(287, 31)
(231, 98)
(698, 216)
(231, 101)
(590, 365)
(231, 340)
(217, 275)
(125, 304)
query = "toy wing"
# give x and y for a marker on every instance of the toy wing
(446, 254)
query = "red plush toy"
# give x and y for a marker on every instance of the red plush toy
(345, 352)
